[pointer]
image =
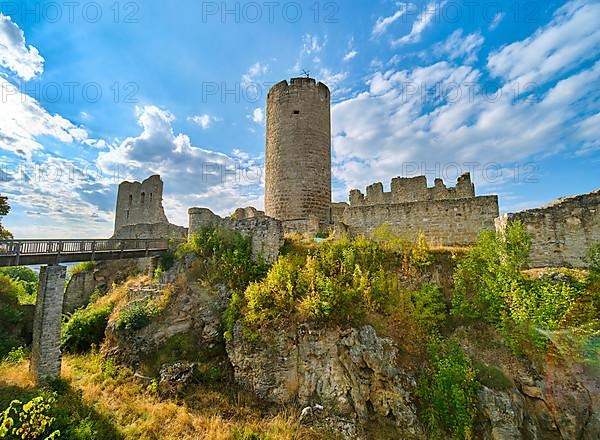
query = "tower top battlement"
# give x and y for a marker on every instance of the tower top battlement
(298, 83)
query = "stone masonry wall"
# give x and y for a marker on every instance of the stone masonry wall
(140, 213)
(413, 189)
(447, 216)
(81, 285)
(45, 351)
(562, 232)
(444, 222)
(266, 232)
(140, 203)
(298, 150)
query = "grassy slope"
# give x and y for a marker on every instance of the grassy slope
(119, 405)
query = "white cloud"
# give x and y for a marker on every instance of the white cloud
(458, 46)
(572, 37)
(254, 73)
(431, 12)
(204, 121)
(193, 176)
(23, 60)
(312, 46)
(23, 120)
(379, 131)
(350, 55)
(258, 115)
(384, 22)
(497, 20)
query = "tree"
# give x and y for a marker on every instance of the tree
(4, 209)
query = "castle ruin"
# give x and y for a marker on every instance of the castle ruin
(447, 216)
(140, 213)
(298, 151)
(298, 197)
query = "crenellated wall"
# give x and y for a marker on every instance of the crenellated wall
(413, 189)
(561, 232)
(447, 216)
(444, 222)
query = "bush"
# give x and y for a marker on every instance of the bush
(85, 328)
(338, 280)
(10, 315)
(138, 314)
(429, 307)
(225, 257)
(84, 266)
(133, 317)
(447, 392)
(25, 281)
(489, 272)
(489, 285)
(15, 356)
(593, 258)
(29, 421)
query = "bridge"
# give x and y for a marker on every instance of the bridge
(29, 252)
(46, 346)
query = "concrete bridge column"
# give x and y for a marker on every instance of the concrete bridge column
(45, 352)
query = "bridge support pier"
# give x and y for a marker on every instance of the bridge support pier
(46, 356)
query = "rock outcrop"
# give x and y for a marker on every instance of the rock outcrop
(351, 373)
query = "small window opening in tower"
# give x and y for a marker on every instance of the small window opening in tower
(128, 214)
(150, 196)
(130, 199)
(143, 198)
(296, 112)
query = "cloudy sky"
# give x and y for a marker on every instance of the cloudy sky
(93, 93)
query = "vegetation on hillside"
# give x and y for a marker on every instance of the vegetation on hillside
(4, 210)
(98, 400)
(384, 281)
(223, 257)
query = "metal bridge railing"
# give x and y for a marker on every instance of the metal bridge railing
(63, 247)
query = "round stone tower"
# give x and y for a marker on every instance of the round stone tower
(298, 161)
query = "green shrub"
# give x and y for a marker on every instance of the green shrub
(489, 285)
(429, 306)
(134, 316)
(225, 256)
(593, 259)
(11, 315)
(420, 256)
(84, 266)
(447, 392)
(25, 281)
(29, 421)
(15, 356)
(337, 280)
(489, 272)
(85, 328)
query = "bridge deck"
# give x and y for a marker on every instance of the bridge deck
(28, 252)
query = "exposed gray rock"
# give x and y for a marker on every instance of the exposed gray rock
(352, 373)
(175, 378)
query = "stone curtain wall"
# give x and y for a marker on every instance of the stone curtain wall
(444, 222)
(413, 189)
(45, 351)
(298, 150)
(562, 232)
(447, 216)
(266, 232)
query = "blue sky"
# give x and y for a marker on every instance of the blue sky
(98, 92)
